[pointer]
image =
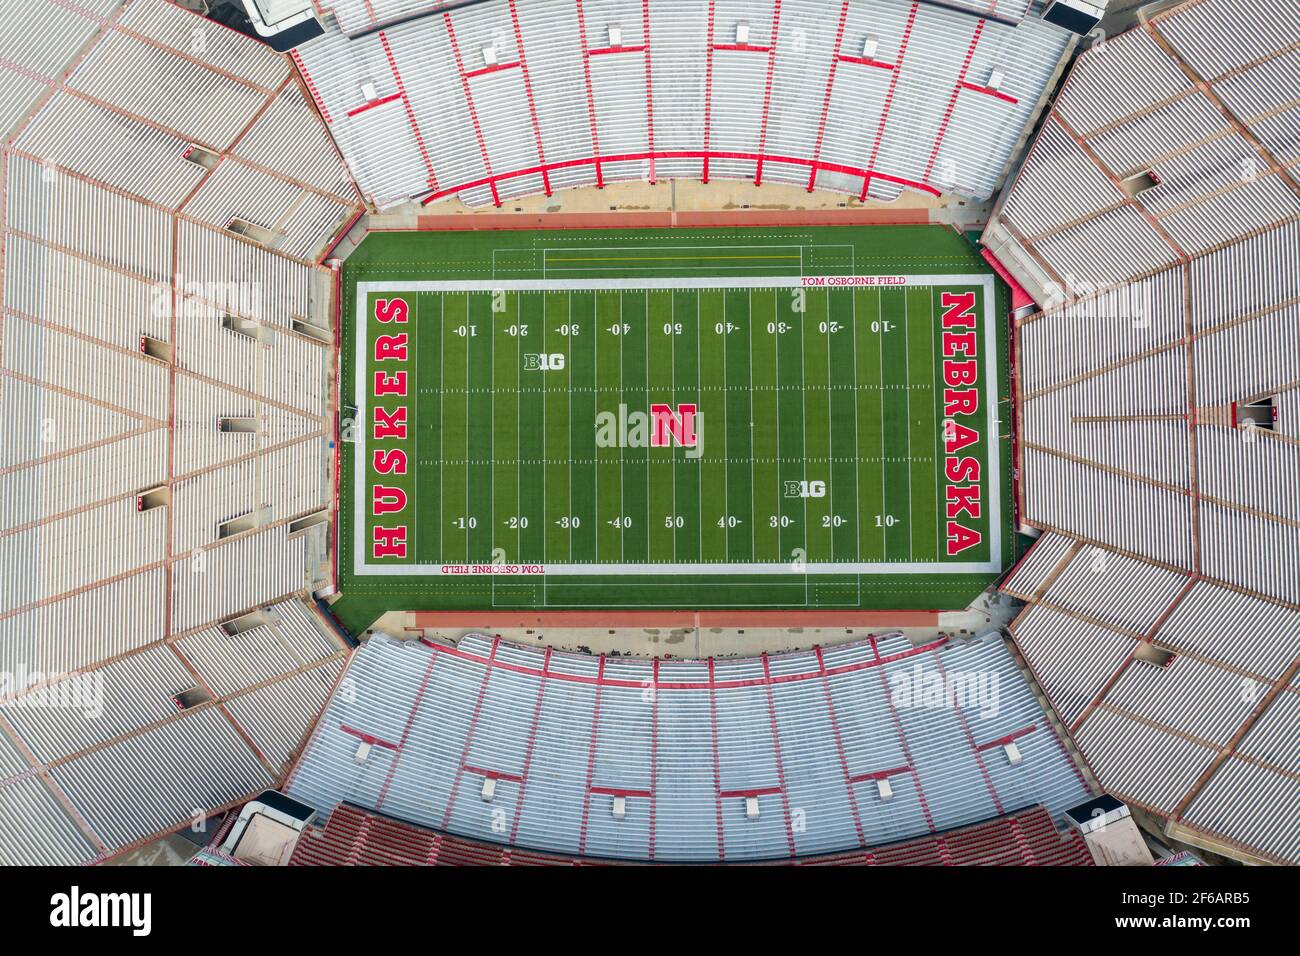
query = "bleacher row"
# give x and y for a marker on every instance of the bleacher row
(786, 756)
(1156, 221)
(502, 99)
(356, 837)
(168, 192)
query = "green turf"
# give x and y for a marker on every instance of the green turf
(506, 466)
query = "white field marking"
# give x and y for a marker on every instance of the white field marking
(699, 395)
(803, 420)
(776, 354)
(672, 460)
(622, 451)
(546, 451)
(720, 567)
(415, 484)
(568, 432)
(884, 472)
(361, 565)
(492, 438)
(467, 456)
(857, 455)
(519, 426)
(649, 485)
(582, 254)
(907, 396)
(940, 531)
(753, 487)
(726, 467)
(595, 399)
(702, 282)
(442, 421)
(830, 423)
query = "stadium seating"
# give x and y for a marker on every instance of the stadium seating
(165, 369)
(503, 99)
(788, 756)
(1156, 220)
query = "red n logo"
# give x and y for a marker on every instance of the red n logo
(680, 425)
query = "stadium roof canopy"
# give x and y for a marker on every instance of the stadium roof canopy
(1157, 222)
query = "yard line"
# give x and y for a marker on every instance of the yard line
(939, 536)
(622, 445)
(415, 485)
(803, 424)
(492, 451)
(907, 393)
(648, 548)
(519, 430)
(884, 471)
(546, 452)
(699, 394)
(672, 463)
(568, 374)
(753, 499)
(595, 379)
(776, 352)
(857, 454)
(830, 422)
(468, 457)
(726, 457)
(442, 411)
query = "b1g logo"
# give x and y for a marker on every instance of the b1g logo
(544, 362)
(805, 489)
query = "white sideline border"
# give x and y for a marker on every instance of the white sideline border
(993, 466)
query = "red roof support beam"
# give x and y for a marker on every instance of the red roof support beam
(717, 762)
(532, 103)
(591, 748)
(649, 95)
(532, 742)
(839, 746)
(406, 732)
(975, 750)
(473, 113)
(898, 726)
(654, 750)
(410, 113)
(776, 751)
(469, 733)
(952, 100)
(708, 88)
(889, 102)
(591, 99)
(826, 98)
(767, 91)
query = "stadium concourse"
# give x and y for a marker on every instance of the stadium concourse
(172, 191)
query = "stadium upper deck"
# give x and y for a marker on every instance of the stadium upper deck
(866, 98)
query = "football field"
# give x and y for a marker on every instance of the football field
(656, 422)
